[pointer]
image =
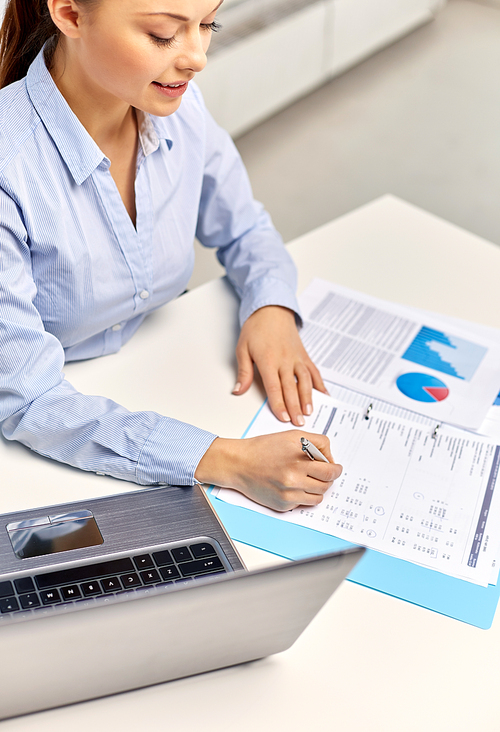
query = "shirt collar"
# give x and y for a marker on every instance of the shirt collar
(77, 148)
(150, 133)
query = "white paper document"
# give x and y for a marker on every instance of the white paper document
(415, 360)
(424, 496)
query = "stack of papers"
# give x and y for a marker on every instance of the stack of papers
(444, 368)
(410, 418)
(405, 491)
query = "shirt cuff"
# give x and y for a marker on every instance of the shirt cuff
(269, 291)
(171, 453)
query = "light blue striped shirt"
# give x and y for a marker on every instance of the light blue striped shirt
(77, 278)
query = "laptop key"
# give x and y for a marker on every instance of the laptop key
(111, 584)
(30, 600)
(24, 584)
(203, 550)
(181, 554)
(201, 566)
(90, 589)
(8, 605)
(150, 576)
(6, 589)
(162, 558)
(169, 573)
(143, 561)
(71, 593)
(130, 580)
(49, 597)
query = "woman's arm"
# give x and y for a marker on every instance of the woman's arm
(263, 274)
(41, 409)
(271, 469)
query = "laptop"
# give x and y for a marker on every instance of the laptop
(116, 593)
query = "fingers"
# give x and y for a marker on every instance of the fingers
(308, 480)
(311, 492)
(290, 397)
(289, 393)
(322, 443)
(269, 339)
(273, 389)
(320, 475)
(304, 386)
(290, 390)
(245, 371)
(317, 381)
(285, 479)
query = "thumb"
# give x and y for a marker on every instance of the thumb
(245, 372)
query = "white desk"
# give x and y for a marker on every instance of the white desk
(368, 661)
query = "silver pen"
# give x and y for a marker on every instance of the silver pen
(311, 451)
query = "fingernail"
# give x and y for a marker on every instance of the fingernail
(300, 420)
(237, 387)
(285, 417)
(308, 409)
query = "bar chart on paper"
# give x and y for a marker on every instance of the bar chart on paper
(377, 348)
(447, 354)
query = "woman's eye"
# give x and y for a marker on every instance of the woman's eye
(164, 42)
(169, 42)
(213, 26)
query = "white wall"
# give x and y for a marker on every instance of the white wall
(256, 76)
(265, 71)
(361, 27)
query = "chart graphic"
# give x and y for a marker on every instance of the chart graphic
(422, 387)
(447, 354)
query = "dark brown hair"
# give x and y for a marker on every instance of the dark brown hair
(26, 26)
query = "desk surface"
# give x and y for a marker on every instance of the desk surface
(368, 661)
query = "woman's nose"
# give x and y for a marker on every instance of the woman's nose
(192, 54)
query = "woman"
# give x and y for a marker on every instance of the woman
(109, 167)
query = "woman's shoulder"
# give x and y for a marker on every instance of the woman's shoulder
(18, 120)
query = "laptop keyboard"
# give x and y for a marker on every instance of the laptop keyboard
(137, 573)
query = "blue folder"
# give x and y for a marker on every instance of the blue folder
(447, 595)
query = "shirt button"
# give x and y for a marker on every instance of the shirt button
(116, 327)
(144, 295)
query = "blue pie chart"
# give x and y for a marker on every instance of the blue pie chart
(422, 387)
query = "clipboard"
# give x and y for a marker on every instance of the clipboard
(447, 595)
(450, 596)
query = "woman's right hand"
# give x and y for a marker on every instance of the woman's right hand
(271, 469)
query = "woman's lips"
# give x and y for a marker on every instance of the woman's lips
(175, 89)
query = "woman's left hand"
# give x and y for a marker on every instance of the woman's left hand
(270, 340)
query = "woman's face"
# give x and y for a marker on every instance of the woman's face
(143, 52)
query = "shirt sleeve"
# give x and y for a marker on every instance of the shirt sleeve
(39, 408)
(249, 247)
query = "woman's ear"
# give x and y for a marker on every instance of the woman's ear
(66, 15)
